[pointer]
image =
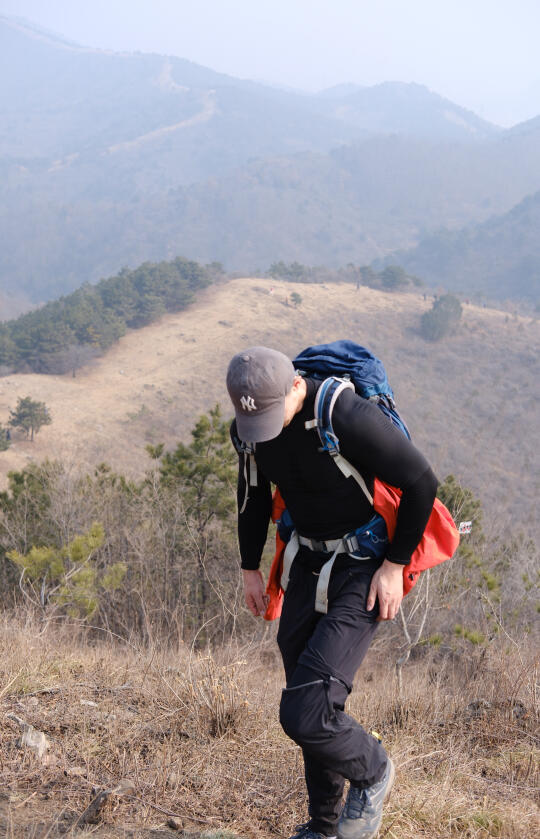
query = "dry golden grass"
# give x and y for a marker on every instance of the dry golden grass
(197, 736)
(471, 401)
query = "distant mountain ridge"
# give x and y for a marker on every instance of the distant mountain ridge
(396, 107)
(40, 32)
(530, 126)
(64, 81)
(110, 159)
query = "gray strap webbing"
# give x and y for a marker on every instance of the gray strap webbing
(345, 385)
(249, 457)
(290, 552)
(348, 470)
(252, 471)
(246, 482)
(321, 592)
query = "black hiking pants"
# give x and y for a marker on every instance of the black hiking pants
(321, 654)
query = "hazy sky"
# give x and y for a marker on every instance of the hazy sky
(482, 54)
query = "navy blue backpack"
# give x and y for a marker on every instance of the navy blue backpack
(346, 361)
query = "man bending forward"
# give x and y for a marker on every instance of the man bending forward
(321, 652)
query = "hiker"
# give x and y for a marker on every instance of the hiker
(322, 650)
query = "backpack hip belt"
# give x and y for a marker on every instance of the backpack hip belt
(348, 543)
(345, 545)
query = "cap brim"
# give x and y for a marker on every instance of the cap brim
(263, 426)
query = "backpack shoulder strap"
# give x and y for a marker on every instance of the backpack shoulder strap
(325, 400)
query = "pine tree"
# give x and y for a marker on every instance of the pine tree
(204, 470)
(4, 439)
(393, 277)
(442, 319)
(203, 474)
(30, 415)
(8, 350)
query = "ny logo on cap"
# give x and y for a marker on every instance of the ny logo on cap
(248, 403)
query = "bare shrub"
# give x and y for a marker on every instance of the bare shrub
(180, 559)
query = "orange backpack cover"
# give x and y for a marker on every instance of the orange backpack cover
(438, 543)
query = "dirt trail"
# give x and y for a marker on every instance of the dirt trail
(166, 81)
(208, 110)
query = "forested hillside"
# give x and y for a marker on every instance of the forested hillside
(500, 258)
(66, 334)
(355, 204)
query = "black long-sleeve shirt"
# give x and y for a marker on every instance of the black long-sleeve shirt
(323, 503)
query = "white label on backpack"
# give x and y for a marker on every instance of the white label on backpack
(465, 527)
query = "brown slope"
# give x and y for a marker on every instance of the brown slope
(469, 400)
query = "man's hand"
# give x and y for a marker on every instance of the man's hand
(387, 586)
(254, 592)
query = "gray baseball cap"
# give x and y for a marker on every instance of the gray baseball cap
(258, 380)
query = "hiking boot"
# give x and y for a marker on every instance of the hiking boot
(305, 831)
(362, 814)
